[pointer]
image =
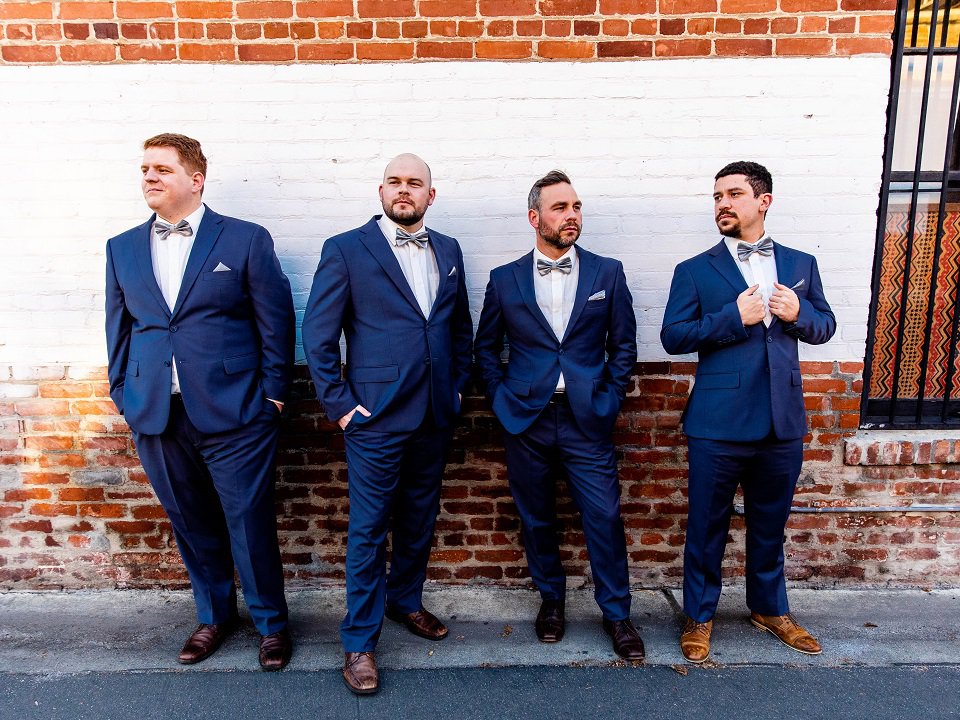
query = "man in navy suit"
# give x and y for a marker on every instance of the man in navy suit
(200, 334)
(396, 290)
(743, 306)
(566, 316)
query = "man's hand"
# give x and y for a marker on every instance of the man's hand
(345, 420)
(785, 304)
(750, 304)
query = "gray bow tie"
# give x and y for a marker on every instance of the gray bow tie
(163, 230)
(419, 238)
(564, 265)
(763, 248)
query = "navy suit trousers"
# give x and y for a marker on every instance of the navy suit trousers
(767, 470)
(217, 490)
(591, 468)
(394, 486)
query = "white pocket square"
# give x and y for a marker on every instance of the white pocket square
(221, 268)
(602, 295)
(453, 271)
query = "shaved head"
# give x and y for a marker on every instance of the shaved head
(407, 190)
(408, 165)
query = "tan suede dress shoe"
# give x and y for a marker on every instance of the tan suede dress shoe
(695, 640)
(788, 631)
(360, 673)
(422, 623)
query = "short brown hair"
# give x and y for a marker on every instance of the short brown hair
(188, 150)
(554, 177)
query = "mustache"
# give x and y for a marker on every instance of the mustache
(726, 214)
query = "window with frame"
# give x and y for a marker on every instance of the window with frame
(912, 366)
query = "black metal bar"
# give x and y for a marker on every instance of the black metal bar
(912, 217)
(938, 243)
(945, 31)
(896, 66)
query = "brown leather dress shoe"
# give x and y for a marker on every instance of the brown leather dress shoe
(360, 673)
(788, 631)
(275, 650)
(695, 640)
(626, 640)
(422, 622)
(204, 641)
(550, 624)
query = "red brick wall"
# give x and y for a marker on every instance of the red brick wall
(76, 509)
(281, 31)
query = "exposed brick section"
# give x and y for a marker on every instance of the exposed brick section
(287, 31)
(76, 510)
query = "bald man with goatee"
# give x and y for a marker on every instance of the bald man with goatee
(395, 289)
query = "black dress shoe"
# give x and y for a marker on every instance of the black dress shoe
(550, 624)
(626, 640)
(275, 650)
(205, 640)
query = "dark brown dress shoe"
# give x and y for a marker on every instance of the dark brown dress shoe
(626, 640)
(204, 641)
(550, 624)
(275, 650)
(422, 622)
(360, 673)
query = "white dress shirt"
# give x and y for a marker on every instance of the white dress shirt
(556, 292)
(419, 265)
(169, 263)
(758, 270)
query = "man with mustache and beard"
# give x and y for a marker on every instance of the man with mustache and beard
(743, 306)
(567, 318)
(396, 290)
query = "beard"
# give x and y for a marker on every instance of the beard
(732, 231)
(554, 238)
(406, 217)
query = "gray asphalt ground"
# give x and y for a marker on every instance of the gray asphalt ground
(104, 655)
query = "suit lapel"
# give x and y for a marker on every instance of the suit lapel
(210, 228)
(724, 264)
(445, 261)
(145, 263)
(785, 261)
(373, 240)
(523, 272)
(589, 267)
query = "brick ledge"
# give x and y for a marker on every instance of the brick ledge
(902, 447)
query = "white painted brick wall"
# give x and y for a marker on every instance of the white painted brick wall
(300, 149)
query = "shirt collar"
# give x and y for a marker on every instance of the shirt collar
(193, 219)
(571, 252)
(389, 229)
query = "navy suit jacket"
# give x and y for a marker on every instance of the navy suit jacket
(748, 378)
(399, 362)
(232, 332)
(596, 354)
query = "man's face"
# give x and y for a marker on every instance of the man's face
(559, 221)
(170, 190)
(739, 214)
(406, 192)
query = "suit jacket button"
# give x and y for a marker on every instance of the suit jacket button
(769, 338)
(174, 328)
(427, 361)
(166, 363)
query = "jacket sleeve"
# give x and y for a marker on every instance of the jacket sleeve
(686, 329)
(462, 330)
(323, 321)
(816, 323)
(621, 335)
(273, 314)
(118, 326)
(490, 339)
